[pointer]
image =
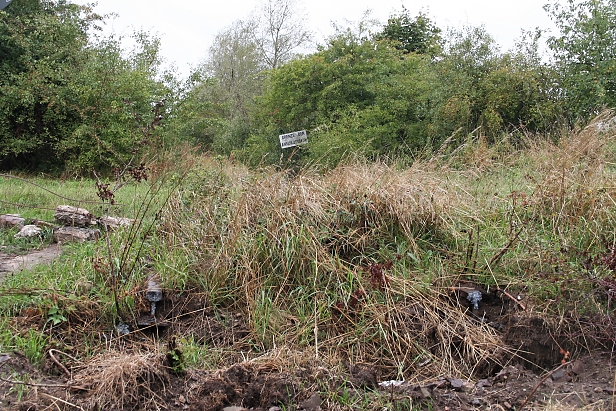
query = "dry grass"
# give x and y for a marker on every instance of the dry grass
(355, 265)
(572, 178)
(293, 251)
(124, 381)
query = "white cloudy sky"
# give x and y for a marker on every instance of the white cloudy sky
(186, 28)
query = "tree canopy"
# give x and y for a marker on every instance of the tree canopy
(68, 100)
(73, 100)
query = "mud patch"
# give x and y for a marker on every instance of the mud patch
(242, 385)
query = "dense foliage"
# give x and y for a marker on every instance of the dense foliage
(585, 53)
(72, 100)
(69, 100)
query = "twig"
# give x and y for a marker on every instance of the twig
(502, 252)
(541, 382)
(505, 293)
(31, 384)
(63, 401)
(54, 359)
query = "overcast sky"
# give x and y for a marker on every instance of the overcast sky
(186, 28)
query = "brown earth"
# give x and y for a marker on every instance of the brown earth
(546, 366)
(11, 263)
(535, 376)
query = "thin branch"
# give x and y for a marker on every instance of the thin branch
(505, 293)
(541, 382)
(63, 401)
(502, 252)
(31, 384)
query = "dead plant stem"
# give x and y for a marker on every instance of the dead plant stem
(548, 375)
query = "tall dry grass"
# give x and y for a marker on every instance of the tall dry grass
(355, 263)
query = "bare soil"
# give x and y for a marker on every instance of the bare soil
(12, 263)
(545, 365)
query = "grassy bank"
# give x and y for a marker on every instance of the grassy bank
(363, 264)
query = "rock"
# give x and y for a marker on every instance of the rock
(578, 367)
(113, 223)
(42, 224)
(468, 386)
(507, 373)
(234, 408)
(28, 231)
(75, 234)
(12, 220)
(274, 409)
(456, 384)
(424, 393)
(558, 374)
(483, 383)
(74, 216)
(313, 403)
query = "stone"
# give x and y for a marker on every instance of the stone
(558, 374)
(424, 393)
(467, 386)
(75, 234)
(484, 383)
(234, 408)
(28, 231)
(313, 403)
(577, 367)
(456, 383)
(506, 373)
(73, 216)
(113, 223)
(12, 220)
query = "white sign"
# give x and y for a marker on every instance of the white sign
(293, 139)
(4, 3)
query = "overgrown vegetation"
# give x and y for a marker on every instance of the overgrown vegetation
(437, 167)
(389, 91)
(356, 265)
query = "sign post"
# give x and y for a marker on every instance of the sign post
(292, 139)
(4, 3)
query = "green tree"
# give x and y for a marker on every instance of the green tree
(480, 88)
(69, 100)
(585, 55)
(229, 81)
(413, 35)
(116, 100)
(356, 95)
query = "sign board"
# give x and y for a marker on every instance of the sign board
(4, 3)
(291, 139)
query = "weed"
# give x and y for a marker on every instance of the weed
(21, 390)
(32, 344)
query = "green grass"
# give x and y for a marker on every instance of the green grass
(38, 197)
(353, 264)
